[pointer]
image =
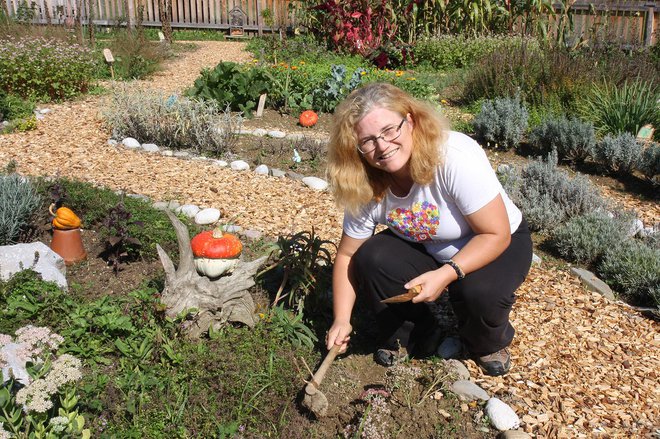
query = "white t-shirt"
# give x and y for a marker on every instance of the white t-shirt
(434, 214)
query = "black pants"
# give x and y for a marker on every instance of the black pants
(481, 301)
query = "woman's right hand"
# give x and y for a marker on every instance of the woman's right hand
(339, 334)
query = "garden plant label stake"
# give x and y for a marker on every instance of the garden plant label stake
(110, 60)
(262, 103)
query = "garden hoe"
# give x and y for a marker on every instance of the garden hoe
(314, 399)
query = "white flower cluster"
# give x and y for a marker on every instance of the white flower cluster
(4, 434)
(58, 423)
(36, 396)
(35, 340)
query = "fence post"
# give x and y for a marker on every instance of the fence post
(130, 14)
(650, 18)
(259, 22)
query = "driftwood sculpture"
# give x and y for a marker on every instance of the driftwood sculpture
(218, 301)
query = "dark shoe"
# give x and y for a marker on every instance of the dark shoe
(389, 358)
(495, 364)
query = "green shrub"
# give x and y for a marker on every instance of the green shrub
(501, 122)
(573, 139)
(14, 107)
(43, 69)
(585, 238)
(172, 122)
(619, 154)
(300, 47)
(633, 270)
(457, 51)
(548, 196)
(19, 200)
(649, 163)
(622, 109)
(232, 85)
(135, 56)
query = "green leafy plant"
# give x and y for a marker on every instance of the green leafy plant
(625, 108)
(291, 327)
(44, 69)
(120, 246)
(135, 56)
(303, 258)
(230, 84)
(39, 399)
(14, 107)
(501, 122)
(19, 201)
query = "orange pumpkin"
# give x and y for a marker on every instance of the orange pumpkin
(215, 252)
(64, 219)
(308, 118)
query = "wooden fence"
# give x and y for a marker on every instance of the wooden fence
(205, 14)
(628, 22)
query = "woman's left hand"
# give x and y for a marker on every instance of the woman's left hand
(433, 283)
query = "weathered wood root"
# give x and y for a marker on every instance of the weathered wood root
(217, 301)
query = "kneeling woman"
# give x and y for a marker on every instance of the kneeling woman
(451, 228)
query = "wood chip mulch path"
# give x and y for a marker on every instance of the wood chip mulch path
(583, 366)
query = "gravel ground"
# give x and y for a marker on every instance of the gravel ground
(583, 366)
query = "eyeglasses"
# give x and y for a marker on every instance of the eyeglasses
(388, 135)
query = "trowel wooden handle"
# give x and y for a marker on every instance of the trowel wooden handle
(323, 368)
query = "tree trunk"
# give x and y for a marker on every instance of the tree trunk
(165, 10)
(78, 22)
(90, 23)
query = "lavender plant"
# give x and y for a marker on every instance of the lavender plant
(649, 163)
(18, 202)
(37, 396)
(620, 154)
(501, 122)
(571, 138)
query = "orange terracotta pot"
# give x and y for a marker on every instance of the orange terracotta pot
(68, 244)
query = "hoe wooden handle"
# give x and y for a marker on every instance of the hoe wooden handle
(323, 368)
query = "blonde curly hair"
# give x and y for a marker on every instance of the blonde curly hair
(356, 183)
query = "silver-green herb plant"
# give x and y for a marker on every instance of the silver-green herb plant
(572, 138)
(172, 121)
(649, 163)
(502, 122)
(619, 154)
(19, 200)
(548, 196)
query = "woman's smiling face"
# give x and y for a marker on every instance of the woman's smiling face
(392, 156)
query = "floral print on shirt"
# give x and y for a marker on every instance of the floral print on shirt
(418, 224)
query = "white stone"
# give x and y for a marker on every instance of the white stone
(189, 210)
(181, 154)
(44, 111)
(150, 147)
(458, 369)
(636, 227)
(536, 260)
(252, 234)
(207, 216)
(276, 134)
(112, 142)
(160, 205)
(274, 172)
(221, 163)
(39, 116)
(315, 183)
(231, 228)
(173, 204)
(14, 364)
(261, 169)
(19, 257)
(244, 131)
(501, 415)
(239, 165)
(467, 390)
(260, 132)
(130, 142)
(167, 153)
